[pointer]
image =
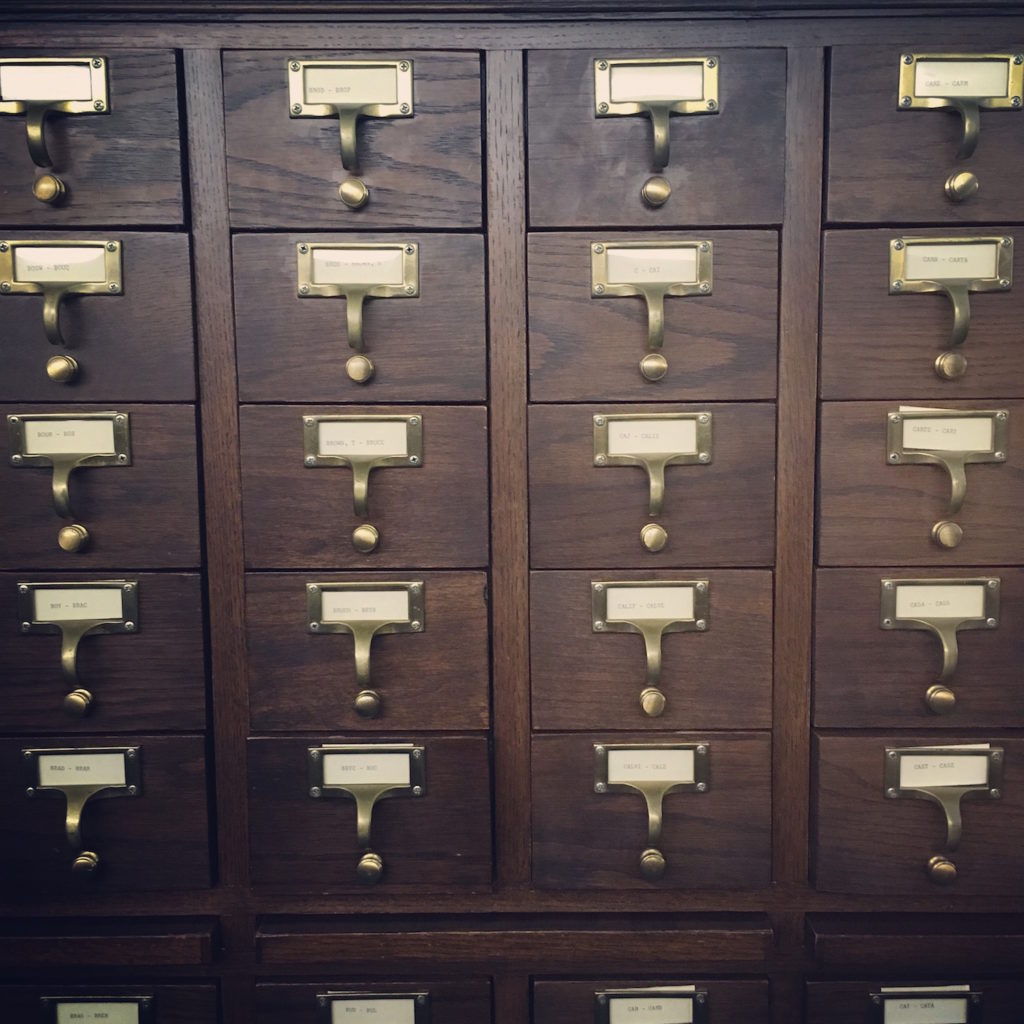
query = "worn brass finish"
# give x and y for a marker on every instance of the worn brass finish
(370, 868)
(941, 870)
(348, 114)
(354, 193)
(325, 1001)
(951, 365)
(652, 864)
(961, 185)
(359, 369)
(947, 534)
(73, 538)
(654, 537)
(652, 701)
(653, 366)
(365, 538)
(85, 863)
(940, 700)
(657, 110)
(62, 369)
(77, 703)
(51, 1004)
(49, 189)
(656, 191)
(605, 998)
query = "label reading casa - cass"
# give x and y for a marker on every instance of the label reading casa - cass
(951, 262)
(358, 266)
(644, 83)
(929, 770)
(920, 1008)
(977, 79)
(350, 85)
(97, 1013)
(365, 606)
(627, 603)
(650, 1009)
(53, 264)
(366, 769)
(40, 83)
(653, 265)
(69, 437)
(65, 605)
(81, 770)
(374, 438)
(652, 437)
(949, 434)
(650, 765)
(940, 602)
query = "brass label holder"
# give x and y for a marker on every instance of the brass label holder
(658, 607)
(689, 772)
(75, 619)
(115, 771)
(374, 1005)
(952, 269)
(356, 272)
(615, 271)
(964, 1003)
(140, 1009)
(374, 771)
(924, 85)
(936, 763)
(657, 1004)
(374, 615)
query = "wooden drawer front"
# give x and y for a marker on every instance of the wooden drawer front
(432, 515)
(717, 514)
(466, 1001)
(727, 1002)
(715, 679)
(431, 347)
(421, 171)
(883, 685)
(850, 1002)
(890, 164)
(151, 679)
(880, 345)
(157, 840)
(119, 167)
(144, 515)
(435, 679)
(437, 841)
(721, 345)
(133, 346)
(725, 168)
(871, 512)
(867, 843)
(718, 839)
(171, 1003)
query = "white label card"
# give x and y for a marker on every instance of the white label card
(951, 262)
(624, 604)
(366, 769)
(972, 78)
(931, 770)
(640, 83)
(45, 82)
(365, 605)
(949, 434)
(351, 85)
(919, 1008)
(97, 1013)
(381, 1011)
(652, 437)
(940, 602)
(650, 765)
(374, 438)
(51, 264)
(81, 769)
(661, 266)
(69, 437)
(652, 1009)
(67, 605)
(358, 266)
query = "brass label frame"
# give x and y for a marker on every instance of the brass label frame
(112, 283)
(908, 87)
(132, 785)
(403, 106)
(604, 106)
(416, 623)
(308, 288)
(128, 623)
(601, 287)
(697, 996)
(98, 102)
(973, 998)
(417, 786)
(420, 1000)
(701, 767)
(49, 1005)
(900, 247)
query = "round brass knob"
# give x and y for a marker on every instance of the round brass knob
(653, 366)
(951, 365)
(652, 700)
(941, 870)
(654, 537)
(359, 369)
(652, 864)
(947, 534)
(367, 703)
(370, 868)
(73, 538)
(962, 185)
(354, 193)
(656, 191)
(48, 189)
(62, 369)
(77, 703)
(365, 538)
(940, 699)
(85, 863)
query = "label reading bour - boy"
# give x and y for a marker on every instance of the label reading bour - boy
(940, 602)
(646, 764)
(652, 437)
(974, 78)
(98, 1013)
(66, 605)
(69, 437)
(81, 769)
(366, 769)
(660, 266)
(362, 438)
(365, 606)
(48, 264)
(628, 603)
(951, 262)
(380, 1011)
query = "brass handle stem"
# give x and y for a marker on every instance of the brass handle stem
(363, 641)
(950, 651)
(960, 298)
(958, 480)
(35, 125)
(655, 318)
(954, 823)
(656, 476)
(70, 638)
(360, 487)
(61, 485)
(652, 645)
(354, 319)
(659, 115)
(968, 110)
(52, 300)
(77, 797)
(365, 799)
(654, 798)
(348, 118)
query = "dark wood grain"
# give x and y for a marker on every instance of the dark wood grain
(433, 515)
(172, 1004)
(864, 842)
(719, 679)
(720, 839)
(143, 515)
(123, 167)
(719, 346)
(422, 171)
(437, 679)
(877, 345)
(153, 679)
(872, 513)
(157, 840)
(882, 686)
(716, 515)
(849, 1002)
(888, 164)
(436, 842)
(725, 168)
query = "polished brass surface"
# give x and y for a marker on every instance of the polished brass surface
(327, 1011)
(653, 366)
(941, 870)
(367, 703)
(654, 537)
(370, 868)
(73, 538)
(940, 700)
(951, 365)
(365, 538)
(49, 189)
(62, 369)
(85, 863)
(635, 1001)
(77, 703)
(962, 185)
(947, 534)
(359, 369)
(354, 193)
(652, 702)
(656, 191)
(652, 864)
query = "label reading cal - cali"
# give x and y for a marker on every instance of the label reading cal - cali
(932, 1005)
(652, 437)
(45, 82)
(366, 769)
(50, 264)
(653, 265)
(949, 434)
(351, 84)
(917, 770)
(639, 83)
(380, 1011)
(81, 769)
(650, 1009)
(66, 605)
(97, 1013)
(646, 764)
(69, 437)
(629, 603)
(975, 78)
(365, 606)
(940, 602)
(374, 438)
(951, 261)
(358, 266)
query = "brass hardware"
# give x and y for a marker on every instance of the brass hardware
(947, 534)
(83, 774)
(951, 365)
(73, 538)
(62, 369)
(398, 769)
(651, 608)
(961, 185)
(60, 1009)
(688, 1003)
(981, 435)
(955, 1002)
(354, 193)
(49, 189)
(682, 767)
(654, 537)
(40, 86)
(656, 191)
(642, 89)
(365, 610)
(375, 1005)
(75, 610)
(653, 441)
(365, 538)
(651, 272)
(940, 700)
(350, 90)
(941, 870)
(958, 93)
(356, 272)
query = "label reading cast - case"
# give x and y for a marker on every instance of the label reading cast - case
(918, 771)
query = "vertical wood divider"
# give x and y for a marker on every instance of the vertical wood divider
(506, 290)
